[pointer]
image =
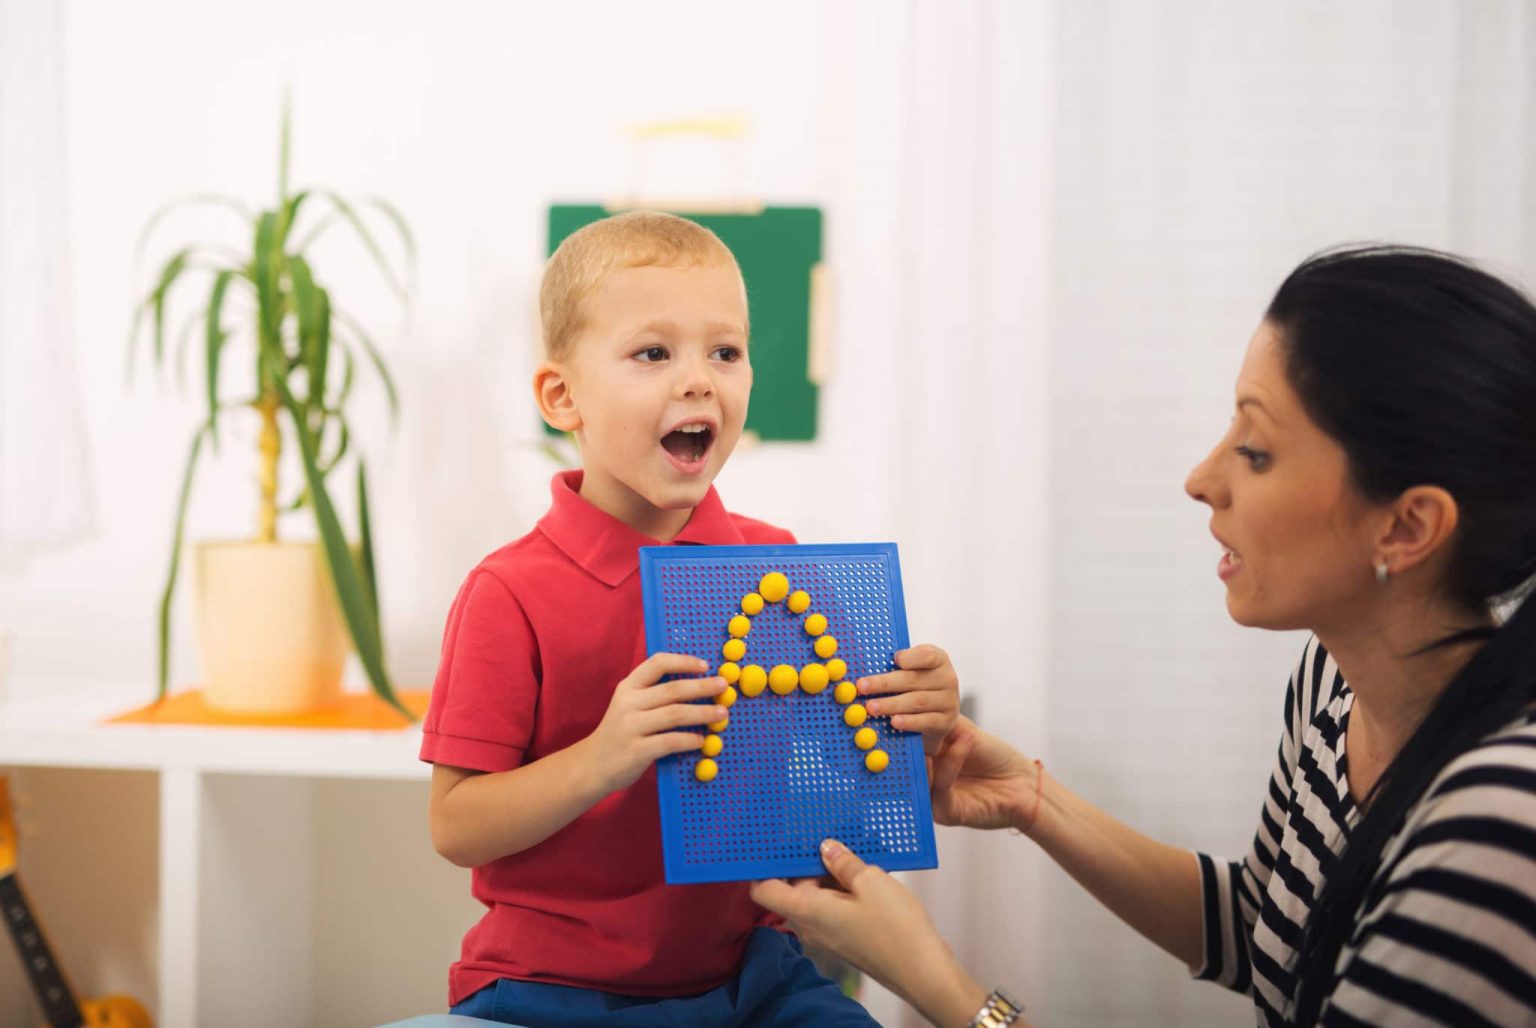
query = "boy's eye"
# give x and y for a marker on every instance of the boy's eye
(651, 354)
(1257, 459)
(728, 354)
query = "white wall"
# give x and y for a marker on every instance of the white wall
(1203, 150)
(471, 118)
(1051, 228)
(449, 112)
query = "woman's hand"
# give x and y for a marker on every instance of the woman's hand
(878, 925)
(981, 782)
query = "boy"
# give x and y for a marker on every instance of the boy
(543, 779)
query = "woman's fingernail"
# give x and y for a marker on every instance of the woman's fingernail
(830, 846)
(873, 706)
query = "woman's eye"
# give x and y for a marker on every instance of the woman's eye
(652, 354)
(729, 354)
(1257, 459)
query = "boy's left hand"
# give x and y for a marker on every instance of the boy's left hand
(923, 695)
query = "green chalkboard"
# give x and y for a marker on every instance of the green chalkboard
(778, 249)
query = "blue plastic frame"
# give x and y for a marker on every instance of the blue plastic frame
(897, 826)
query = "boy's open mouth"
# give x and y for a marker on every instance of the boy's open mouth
(689, 443)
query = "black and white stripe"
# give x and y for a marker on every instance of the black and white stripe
(1448, 935)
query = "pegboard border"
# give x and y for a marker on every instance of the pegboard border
(668, 785)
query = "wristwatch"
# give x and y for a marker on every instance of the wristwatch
(999, 1009)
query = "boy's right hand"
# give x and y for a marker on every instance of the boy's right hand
(639, 728)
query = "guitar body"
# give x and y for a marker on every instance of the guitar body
(115, 1012)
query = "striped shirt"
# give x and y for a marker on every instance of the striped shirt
(1451, 936)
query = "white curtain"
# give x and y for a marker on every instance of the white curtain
(45, 488)
(972, 362)
(935, 141)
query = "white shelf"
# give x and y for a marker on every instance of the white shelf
(60, 725)
(238, 834)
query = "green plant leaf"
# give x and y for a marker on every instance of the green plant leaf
(215, 337)
(320, 360)
(556, 454)
(355, 606)
(266, 266)
(377, 360)
(392, 215)
(407, 240)
(327, 464)
(284, 147)
(365, 542)
(198, 319)
(155, 302)
(343, 441)
(348, 376)
(190, 200)
(290, 217)
(170, 578)
(313, 305)
(183, 335)
(349, 214)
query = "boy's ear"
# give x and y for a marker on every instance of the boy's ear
(552, 391)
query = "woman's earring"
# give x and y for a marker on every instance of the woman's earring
(1382, 572)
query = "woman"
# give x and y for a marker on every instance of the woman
(1377, 486)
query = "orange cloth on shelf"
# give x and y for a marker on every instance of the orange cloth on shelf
(362, 710)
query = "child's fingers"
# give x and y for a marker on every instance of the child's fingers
(659, 665)
(658, 746)
(921, 723)
(891, 681)
(678, 715)
(923, 657)
(680, 691)
(920, 702)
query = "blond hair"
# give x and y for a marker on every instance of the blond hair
(635, 239)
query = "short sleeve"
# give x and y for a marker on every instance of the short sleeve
(486, 694)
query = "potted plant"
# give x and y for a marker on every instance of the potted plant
(270, 612)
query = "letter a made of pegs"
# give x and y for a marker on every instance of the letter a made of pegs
(783, 679)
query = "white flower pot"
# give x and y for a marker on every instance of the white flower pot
(272, 636)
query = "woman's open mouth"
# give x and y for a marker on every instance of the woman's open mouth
(1230, 564)
(688, 445)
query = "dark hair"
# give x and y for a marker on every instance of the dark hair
(1423, 368)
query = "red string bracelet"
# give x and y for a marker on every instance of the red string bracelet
(1039, 790)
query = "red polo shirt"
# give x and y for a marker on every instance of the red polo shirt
(538, 637)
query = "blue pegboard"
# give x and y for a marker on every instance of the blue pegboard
(789, 774)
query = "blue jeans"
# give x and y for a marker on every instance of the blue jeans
(776, 987)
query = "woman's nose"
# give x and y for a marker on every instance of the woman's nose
(1203, 485)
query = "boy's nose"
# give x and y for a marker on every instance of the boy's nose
(695, 382)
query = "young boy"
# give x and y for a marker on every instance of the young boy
(546, 720)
